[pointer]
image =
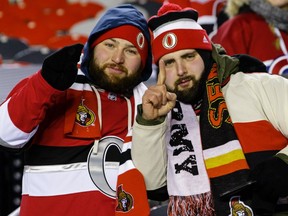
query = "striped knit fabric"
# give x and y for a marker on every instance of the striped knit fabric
(225, 161)
(131, 197)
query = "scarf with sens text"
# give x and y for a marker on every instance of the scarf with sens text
(206, 158)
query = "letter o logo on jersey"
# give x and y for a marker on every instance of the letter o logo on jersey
(279, 66)
(169, 41)
(140, 40)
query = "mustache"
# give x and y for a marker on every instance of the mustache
(186, 78)
(115, 66)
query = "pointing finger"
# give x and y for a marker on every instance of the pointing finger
(162, 73)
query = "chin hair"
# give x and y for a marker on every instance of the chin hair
(113, 84)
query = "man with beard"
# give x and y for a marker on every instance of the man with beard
(226, 136)
(71, 122)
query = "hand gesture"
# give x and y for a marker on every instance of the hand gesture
(157, 101)
(60, 68)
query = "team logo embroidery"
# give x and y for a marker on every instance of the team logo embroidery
(84, 116)
(103, 164)
(169, 41)
(205, 40)
(238, 208)
(111, 96)
(124, 200)
(140, 40)
(279, 66)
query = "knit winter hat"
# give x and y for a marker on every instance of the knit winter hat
(129, 33)
(175, 29)
(122, 15)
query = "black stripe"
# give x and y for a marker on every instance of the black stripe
(255, 158)
(125, 156)
(160, 194)
(81, 79)
(51, 155)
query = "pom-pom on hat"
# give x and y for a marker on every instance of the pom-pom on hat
(174, 28)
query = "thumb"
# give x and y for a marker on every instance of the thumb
(171, 96)
(66, 54)
(169, 105)
(74, 52)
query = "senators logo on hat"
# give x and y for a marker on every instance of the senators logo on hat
(140, 40)
(169, 41)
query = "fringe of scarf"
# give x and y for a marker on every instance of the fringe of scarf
(201, 204)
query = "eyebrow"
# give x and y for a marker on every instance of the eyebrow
(194, 52)
(126, 45)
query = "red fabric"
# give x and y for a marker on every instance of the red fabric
(131, 191)
(129, 33)
(79, 204)
(184, 39)
(248, 33)
(260, 135)
(73, 128)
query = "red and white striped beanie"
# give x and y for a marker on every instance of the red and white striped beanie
(174, 28)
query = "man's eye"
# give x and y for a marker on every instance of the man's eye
(131, 51)
(168, 62)
(109, 44)
(190, 56)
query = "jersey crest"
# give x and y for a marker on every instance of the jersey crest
(124, 200)
(84, 116)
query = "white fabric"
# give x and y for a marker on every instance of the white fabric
(258, 96)
(151, 158)
(183, 183)
(223, 149)
(56, 180)
(10, 135)
(184, 23)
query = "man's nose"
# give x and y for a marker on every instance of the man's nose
(181, 68)
(118, 56)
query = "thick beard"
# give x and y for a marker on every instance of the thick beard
(118, 85)
(187, 95)
(192, 94)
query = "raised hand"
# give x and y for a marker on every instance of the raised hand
(157, 101)
(60, 68)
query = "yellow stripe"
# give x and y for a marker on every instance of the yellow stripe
(224, 159)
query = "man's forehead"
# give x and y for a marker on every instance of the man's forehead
(121, 41)
(172, 55)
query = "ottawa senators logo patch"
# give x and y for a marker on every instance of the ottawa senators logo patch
(84, 116)
(237, 207)
(125, 200)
